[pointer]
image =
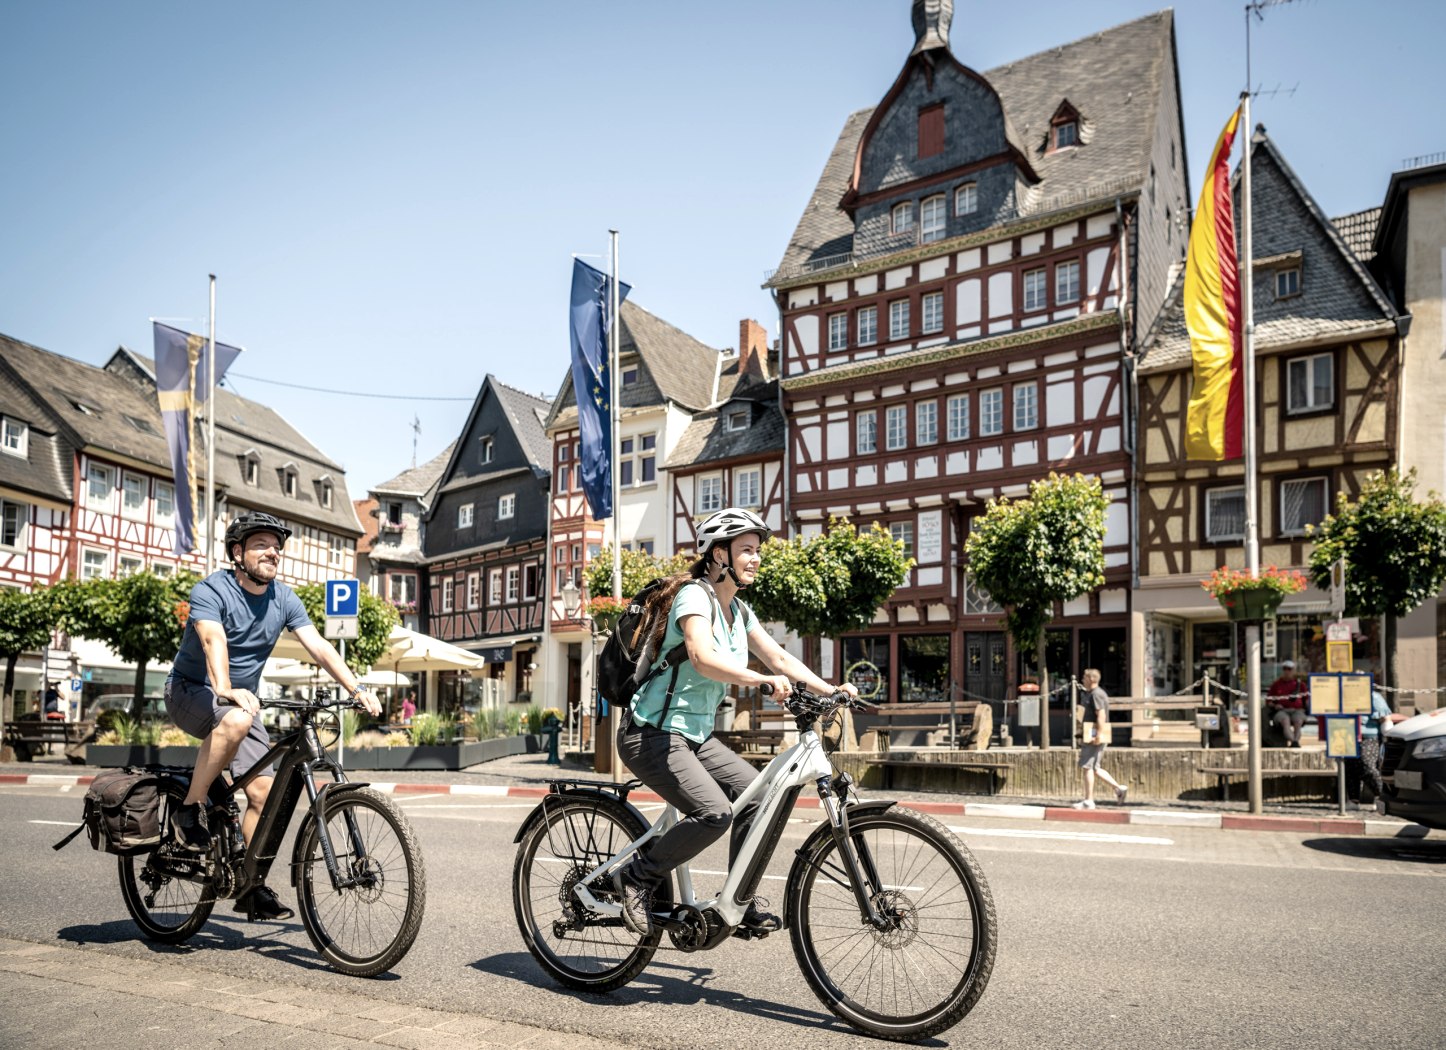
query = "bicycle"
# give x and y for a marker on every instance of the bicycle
(362, 915)
(891, 920)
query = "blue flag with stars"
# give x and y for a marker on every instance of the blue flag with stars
(591, 382)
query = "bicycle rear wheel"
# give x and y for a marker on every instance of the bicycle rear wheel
(581, 949)
(166, 891)
(928, 968)
(364, 928)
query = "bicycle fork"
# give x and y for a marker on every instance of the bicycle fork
(857, 860)
(318, 801)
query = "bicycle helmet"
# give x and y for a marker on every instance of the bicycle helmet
(727, 524)
(253, 521)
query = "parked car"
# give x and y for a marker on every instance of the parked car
(1415, 770)
(153, 708)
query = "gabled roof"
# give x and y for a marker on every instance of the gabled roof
(416, 481)
(1338, 297)
(1358, 230)
(1115, 79)
(527, 412)
(675, 368)
(707, 438)
(522, 412)
(46, 468)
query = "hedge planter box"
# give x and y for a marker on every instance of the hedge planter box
(184, 755)
(121, 755)
(436, 756)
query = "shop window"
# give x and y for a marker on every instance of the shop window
(866, 665)
(924, 668)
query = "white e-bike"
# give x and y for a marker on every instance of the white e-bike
(892, 922)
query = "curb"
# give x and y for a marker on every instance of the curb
(996, 810)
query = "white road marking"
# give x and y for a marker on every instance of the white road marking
(1064, 836)
(62, 823)
(469, 805)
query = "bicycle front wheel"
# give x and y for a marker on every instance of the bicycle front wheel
(366, 926)
(166, 891)
(927, 968)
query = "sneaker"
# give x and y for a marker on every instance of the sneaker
(191, 830)
(759, 920)
(1120, 793)
(635, 894)
(262, 905)
(1084, 804)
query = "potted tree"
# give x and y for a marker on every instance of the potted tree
(1249, 599)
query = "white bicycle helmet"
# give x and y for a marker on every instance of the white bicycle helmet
(727, 524)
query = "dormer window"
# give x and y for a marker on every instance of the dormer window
(288, 480)
(325, 490)
(1287, 282)
(630, 375)
(902, 220)
(251, 467)
(1066, 134)
(966, 199)
(486, 451)
(14, 437)
(932, 214)
(931, 130)
(737, 419)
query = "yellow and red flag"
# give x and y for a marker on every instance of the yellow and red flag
(1215, 419)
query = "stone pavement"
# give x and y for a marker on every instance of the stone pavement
(56, 996)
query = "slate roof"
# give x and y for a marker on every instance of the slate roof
(417, 481)
(674, 367)
(1115, 79)
(707, 438)
(1358, 230)
(1338, 295)
(46, 468)
(527, 412)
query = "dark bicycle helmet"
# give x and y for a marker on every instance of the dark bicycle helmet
(253, 521)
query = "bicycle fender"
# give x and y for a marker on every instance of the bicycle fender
(811, 845)
(325, 792)
(574, 793)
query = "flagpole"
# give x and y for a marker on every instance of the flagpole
(211, 436)
(1252, 466)
(614, 324)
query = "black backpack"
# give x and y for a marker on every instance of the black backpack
(623, 667)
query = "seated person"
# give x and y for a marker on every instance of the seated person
(1286, 703)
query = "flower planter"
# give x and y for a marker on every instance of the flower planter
(606, 621)
(1251, 604)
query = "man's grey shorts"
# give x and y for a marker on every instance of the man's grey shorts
(1089, 755)
(194, 707)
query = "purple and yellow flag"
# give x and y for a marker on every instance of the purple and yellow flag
(1215, 418)
(181, 385)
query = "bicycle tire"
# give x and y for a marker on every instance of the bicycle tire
(600, 828)
(167, 908)
(365, 929)
(920, 977)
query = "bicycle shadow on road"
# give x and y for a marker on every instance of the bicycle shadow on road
(669, 983)
(1404, 849)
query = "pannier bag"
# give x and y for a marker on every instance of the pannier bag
(125, 811)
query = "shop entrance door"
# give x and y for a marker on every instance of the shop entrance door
(984, 665)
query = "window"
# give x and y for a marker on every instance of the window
(991, 412)
(14, 437)
(12, 524)
(966, 199)
(1302, 502)
(394, 513)
(899, 319)
(464, 516)
(494, 586)
(561, 580)
(646, 546)
(746, 487)
(138, 424)
(710, 493)
(737, 419)
(506, 506)
(530, 576)
(630, 375)
(162, 569)
(926, 422)
(958, 423)
(1034, 290)
(288, 483)
(868, 325)
(448, 587)
(931, 130)
(866, 432)
(130, 565)
(1287, 282)
(902, 220)
(932, 216)
(253, 471)
(133, 495)
(1066, 282)
(485, 454)
(474, 589)
(1310, 383)
(326, 494)
(402, 588)
(838, 331)
(514, 576)
(1066, 133)
(933, 304)
(1026, 406)
(903, 531)
(1225, 514)
(896, 427)
(94, 565)
(560, 554)
(563, 452)
(98, 483)
(639, 460)
(564, 478)
(336, 550)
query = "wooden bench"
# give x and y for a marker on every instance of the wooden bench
(1143, 731)
(1224, 774)
(748, 742)
(28, 737)
(931, 718)
(998, 771)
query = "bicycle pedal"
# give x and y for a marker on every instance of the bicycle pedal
(747, 933)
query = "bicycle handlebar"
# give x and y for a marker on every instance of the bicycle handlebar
(805, 701)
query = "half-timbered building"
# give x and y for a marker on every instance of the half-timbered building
(959, 304)
(485, 541)
(1327, 391)
(396, 562)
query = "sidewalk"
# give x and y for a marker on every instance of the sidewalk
(526, 776)
(124, 1004)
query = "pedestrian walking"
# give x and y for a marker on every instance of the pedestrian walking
(1367, 767)
(1095, 735)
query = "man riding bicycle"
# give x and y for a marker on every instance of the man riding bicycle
(237, 615)
(666, 738)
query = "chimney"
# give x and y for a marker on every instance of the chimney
(752, 349)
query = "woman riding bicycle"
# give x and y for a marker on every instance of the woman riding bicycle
(665, 737)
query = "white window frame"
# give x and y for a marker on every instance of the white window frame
(898, 320)
(991, 412)
(748, 487)
(506, 506)
(494, 587)
(957, 414)
(164, 516)
(838, 330)
(636, 458)
(474, 589)
(901, 218)
(486, 450)
(449, 586)
(514, 583)
(866, 432)
(926, 422)
(465, 515)
(14, 437)
(253, 471)
(1287, 282)
(1036, 290)
(1211, 497)
(326, 494)
(966, 199)
(336, 550)
(1066, 282)
(932, 307)
(129, 565)
(933, 218)
(85, 564)
(868, 325)
(1059, 134)
(531, 574)
(903, 530)
(22, 524)
(1325, 503)
(896, 427)
(402, 587)
(138, 512)
(1311, 364)
(1026, 405)
(737, 420)
(91, 472)
(709, 493)
(163, 569)
(288, 483)
(629, 375)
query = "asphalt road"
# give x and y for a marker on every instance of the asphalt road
(1110, 936)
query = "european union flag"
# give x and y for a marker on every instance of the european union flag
(591, 382)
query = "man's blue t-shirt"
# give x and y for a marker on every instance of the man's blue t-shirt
(253, 624)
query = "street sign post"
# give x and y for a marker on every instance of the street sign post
(338, 627)
(342, 597)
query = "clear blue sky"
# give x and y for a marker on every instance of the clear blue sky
(390, 193)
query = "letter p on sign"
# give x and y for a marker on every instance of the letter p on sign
(341, 598)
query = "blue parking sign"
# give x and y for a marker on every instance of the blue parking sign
(342, 597)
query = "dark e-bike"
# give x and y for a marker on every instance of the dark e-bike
(356, 867)
(891, 920)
